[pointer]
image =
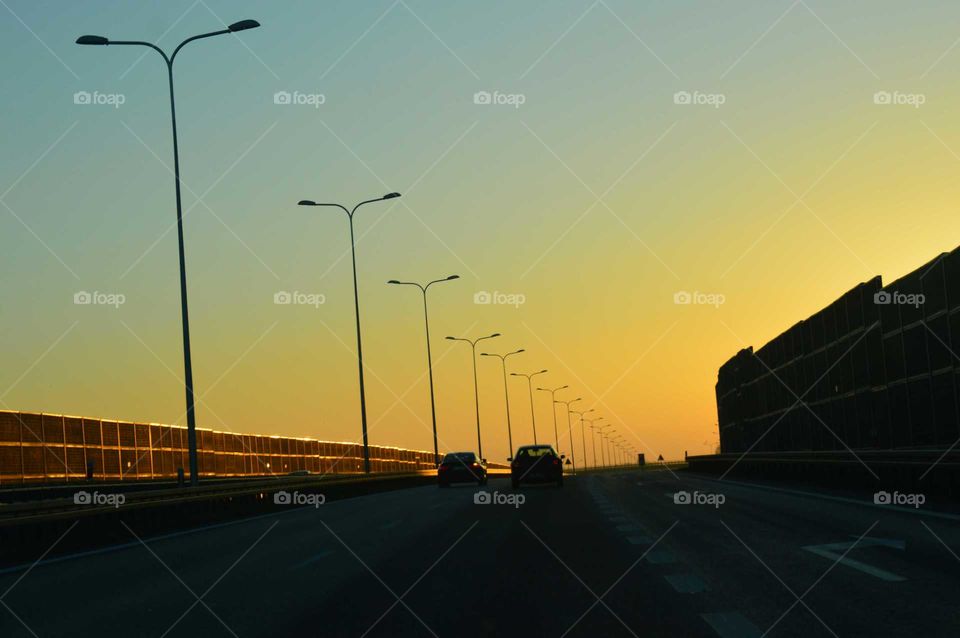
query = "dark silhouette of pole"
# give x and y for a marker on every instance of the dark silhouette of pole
(529, 378)
(583, 437)
(593, 438)
(356, 309)
(426, 323)
(603, 435)
(243, 25)
(476, 387)
(506, 393)
(553, 407)
(573, 452)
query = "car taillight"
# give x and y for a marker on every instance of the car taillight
(556, 461)
(444, 467)
(475, 465)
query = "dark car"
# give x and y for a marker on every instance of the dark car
(536, 464)
(462, 467)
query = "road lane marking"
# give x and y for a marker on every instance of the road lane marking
(836, 552)
(731, 624)
(628, 527)
(839, 499)
(687, 583)
(391, 524)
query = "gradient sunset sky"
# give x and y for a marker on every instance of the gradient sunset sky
(597, 200)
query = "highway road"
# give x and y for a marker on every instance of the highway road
(609, 554)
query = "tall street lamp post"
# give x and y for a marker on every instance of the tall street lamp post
(356, 309)
(529, 378)
(476, 390)
(506, 393)
(553, 408)
(236, 27)
(426, 323)
(583, 436)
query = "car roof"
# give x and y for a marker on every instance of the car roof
(535, 447)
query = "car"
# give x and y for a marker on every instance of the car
(536, 464)
(461, 467)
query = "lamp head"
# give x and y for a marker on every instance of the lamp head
(243, 25)
(92, 39)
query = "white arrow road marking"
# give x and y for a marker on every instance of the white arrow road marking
(834, 551)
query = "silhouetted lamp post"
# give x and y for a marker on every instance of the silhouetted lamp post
(506, 393)
(426, 322)
(593, 438)
(243, 25)
(553, 408)
(356, 308)
(529, 378)
(583, 437)
(573, 448)
(476, 391)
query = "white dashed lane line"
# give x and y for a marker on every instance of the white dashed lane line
(661, 557)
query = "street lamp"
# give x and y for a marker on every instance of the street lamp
(603, 454)
(553, 408)
(529, 378)
(476, 391)
(426, 322)
(243, 25)
(583, 437)
(593, 438)
(506, 393)
(573, 453)
(356, 309)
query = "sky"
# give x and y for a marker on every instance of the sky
(587, 167)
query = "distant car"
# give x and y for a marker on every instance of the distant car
(536, 464)
(300, 473)
(462, 467)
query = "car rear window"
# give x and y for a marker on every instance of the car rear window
(462, 457)
(534, 452)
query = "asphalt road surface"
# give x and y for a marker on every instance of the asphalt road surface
(606, 555)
